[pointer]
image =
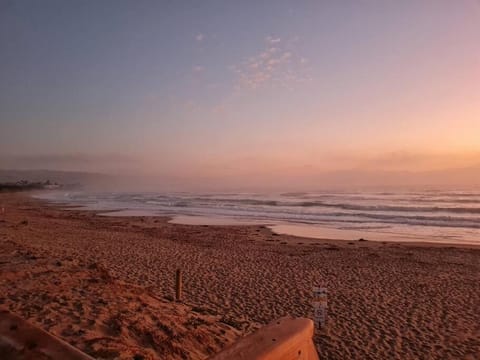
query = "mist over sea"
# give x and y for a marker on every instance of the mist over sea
(433, 216)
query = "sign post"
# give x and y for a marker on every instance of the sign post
(320, 307)
(178, 285)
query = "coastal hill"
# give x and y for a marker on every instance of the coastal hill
(60, 177)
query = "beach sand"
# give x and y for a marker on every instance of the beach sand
(106, 285)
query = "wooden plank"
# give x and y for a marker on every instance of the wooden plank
(21, 340)
(284, 339)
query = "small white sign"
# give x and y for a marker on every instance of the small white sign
(320, 306)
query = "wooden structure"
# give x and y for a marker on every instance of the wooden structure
(284, 339)
(22, 340)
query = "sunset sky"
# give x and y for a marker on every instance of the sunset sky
(220, 89)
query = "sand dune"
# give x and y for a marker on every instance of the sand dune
(80, 302)
(386, 300)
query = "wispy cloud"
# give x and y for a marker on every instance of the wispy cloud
(272, 40)
(200, 37)
(198, 68)
(276, 64)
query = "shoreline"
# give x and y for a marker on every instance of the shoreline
(225, 221)
(386, 299)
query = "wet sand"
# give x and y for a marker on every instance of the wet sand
(386, 300)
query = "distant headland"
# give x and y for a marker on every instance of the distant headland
(25, 185)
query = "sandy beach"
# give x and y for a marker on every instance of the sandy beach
(106, 286)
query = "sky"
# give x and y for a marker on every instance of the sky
(240, 91)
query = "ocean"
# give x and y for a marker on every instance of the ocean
(431, 216)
